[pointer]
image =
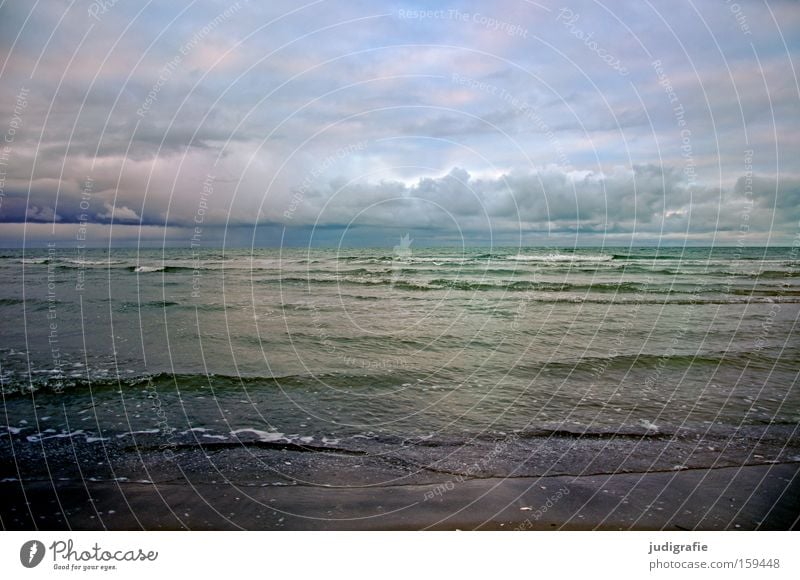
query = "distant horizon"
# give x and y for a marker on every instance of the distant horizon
(414, 247)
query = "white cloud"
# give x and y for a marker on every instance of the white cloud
(119, 214)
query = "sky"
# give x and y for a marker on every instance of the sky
(351, 123)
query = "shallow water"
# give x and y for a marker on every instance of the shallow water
(320, 346)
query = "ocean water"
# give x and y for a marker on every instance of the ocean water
(336, 347)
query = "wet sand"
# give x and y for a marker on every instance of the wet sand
(763, 497)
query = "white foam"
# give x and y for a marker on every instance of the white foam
(561, 258)
(438, 261)
(40, 436)
(648, 425)
(265, 436)
(92, 262)
(195, 430)
(144, 269)
(145, 432)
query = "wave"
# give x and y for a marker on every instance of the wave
(168, 384)
(601, 364)
(485, 284)
(479, 265)
(124, 306)
(146, 269)
(769, 274)
(554, 267)
(708, 258)
(33, 303)
(93, 262)
(72, 263)
(366, 259)
(688, 271)
(561, 258)
(11, 301)
(34, 261)
(434, 266)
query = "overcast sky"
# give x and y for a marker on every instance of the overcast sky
(574, 122)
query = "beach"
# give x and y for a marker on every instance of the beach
(529, 482)
(731, 498)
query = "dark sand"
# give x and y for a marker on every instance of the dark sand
(765, 497)
(531, 481)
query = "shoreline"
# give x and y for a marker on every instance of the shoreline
(751, 497)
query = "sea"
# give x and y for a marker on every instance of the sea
(533, 360)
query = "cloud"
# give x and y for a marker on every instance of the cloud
(118, 214)
(445, 123)
(771, 193)
(41, 214)
(649, 198)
